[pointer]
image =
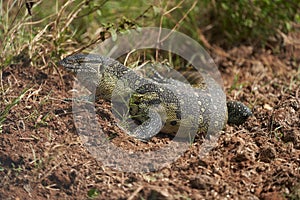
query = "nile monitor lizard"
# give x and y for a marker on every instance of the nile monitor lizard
(168, 102)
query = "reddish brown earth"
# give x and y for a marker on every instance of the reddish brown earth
(42, 156)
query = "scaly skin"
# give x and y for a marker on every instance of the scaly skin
(164, 104)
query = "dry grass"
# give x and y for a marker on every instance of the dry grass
(41, 155)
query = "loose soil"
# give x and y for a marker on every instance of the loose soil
(43, 157)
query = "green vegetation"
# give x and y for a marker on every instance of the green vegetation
(1, 168)
(295, 193)
(57, 27)
(38, 35)
(93, 193)
(4, 113)
(255, 21)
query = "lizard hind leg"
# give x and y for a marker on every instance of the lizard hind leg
(149, 128)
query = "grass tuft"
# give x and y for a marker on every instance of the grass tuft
(9, 106)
